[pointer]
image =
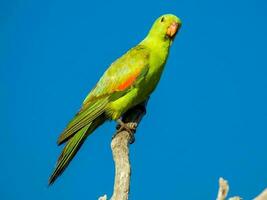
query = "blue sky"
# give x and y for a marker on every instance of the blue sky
(206, 119)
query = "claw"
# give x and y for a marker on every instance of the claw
(129, 127)
(132, 125)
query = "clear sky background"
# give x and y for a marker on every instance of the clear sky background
(207, 118)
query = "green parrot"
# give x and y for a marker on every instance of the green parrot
(127, 82)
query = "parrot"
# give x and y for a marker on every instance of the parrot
(127, 82)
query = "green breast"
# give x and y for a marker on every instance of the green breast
(143, 89)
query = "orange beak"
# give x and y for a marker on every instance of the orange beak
(172, 29)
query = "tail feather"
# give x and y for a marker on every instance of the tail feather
(73, 146)
(85, 116)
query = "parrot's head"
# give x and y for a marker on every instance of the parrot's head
(165, 27)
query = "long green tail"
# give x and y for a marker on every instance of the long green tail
(72, 147)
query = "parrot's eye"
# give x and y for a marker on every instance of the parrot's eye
(162, 19)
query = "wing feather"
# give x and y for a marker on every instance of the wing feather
(122, 74)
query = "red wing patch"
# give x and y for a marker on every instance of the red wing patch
(128, 81)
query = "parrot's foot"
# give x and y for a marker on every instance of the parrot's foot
(130, 127)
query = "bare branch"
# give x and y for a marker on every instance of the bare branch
(235, 198)
(103, 197)
(223, 189)
(262, 196)
(120, 150)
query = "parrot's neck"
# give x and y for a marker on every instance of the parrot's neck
(157, 45)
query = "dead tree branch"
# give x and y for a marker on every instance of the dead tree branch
(262, 196)
(224, 189)
(120, 150)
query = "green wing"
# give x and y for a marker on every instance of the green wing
(119, 78)
(123, 74)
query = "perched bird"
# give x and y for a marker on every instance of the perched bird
(126, 83)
